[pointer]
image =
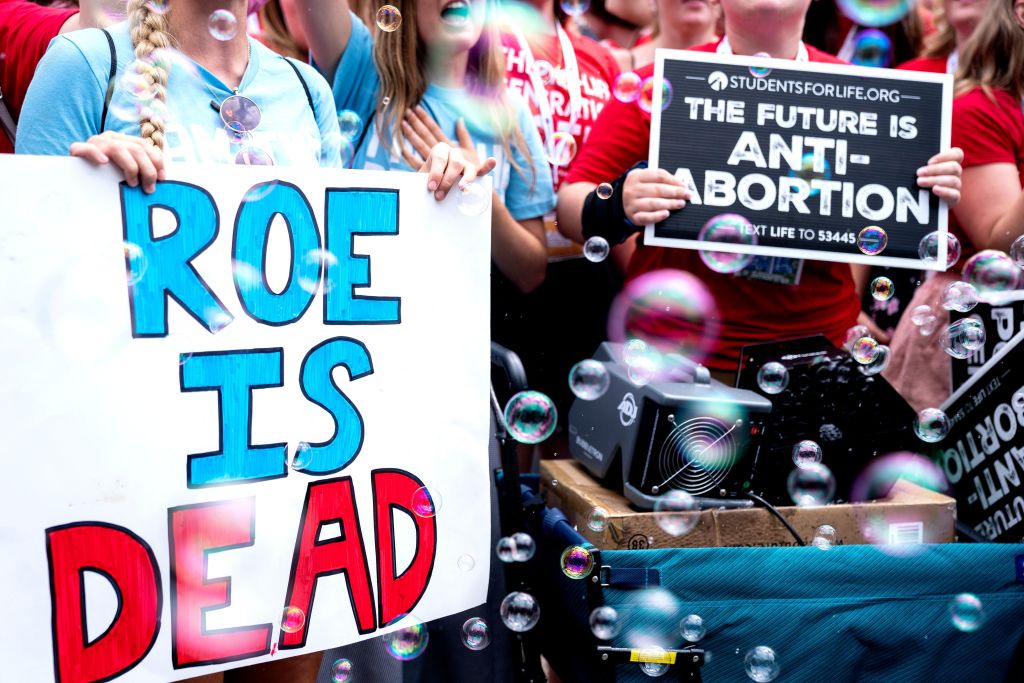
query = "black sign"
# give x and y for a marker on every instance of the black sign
(810, 154)
(1001, 324)
(983, 455)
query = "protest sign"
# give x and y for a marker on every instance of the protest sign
(245, 416)
(983, 454)
(1002, 323)
(821, 159)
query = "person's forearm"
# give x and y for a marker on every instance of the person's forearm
(518, 247)
(860, 274)
(328, 27)
(1008, 228)
(570, 209)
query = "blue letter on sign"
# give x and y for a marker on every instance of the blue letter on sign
(319, 387)
(252, 227)
(168, 259)
(234, 375)
(350, 213)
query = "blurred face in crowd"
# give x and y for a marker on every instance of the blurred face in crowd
(636, 12)
(452, 25)
(687, 12)
(774, 14)
(964, 15)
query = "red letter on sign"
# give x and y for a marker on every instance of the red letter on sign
(195, 531)
(328, 502)
(399, 593)
(128, 563)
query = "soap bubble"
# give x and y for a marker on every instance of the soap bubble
(669, 310)
(303, 457)
(597, 520)
(407, 643)
(223, 25)
(472, 200)
(864, 350)
(807, 173)
(577, 562)
(476, 634)
(877, 479)
(880, 361)
(811, 485)
(530, 417)
(647, 93)
(966, 613)
(760, 71)
(761, 664)
(642, 371)
(425, 503)
(523, 547)
(293, 619)
(341, 671)
(677, 512)
(806, 452)
(872, 240)
(505, 549)
(921, 315)
(773, 378)
(653, 619)
(604, 622)
(466, 563)
(596, 249)
(825, 537)
(627, 87)
(543, 70)
(322, 261)
(589, 379)
(692, 627)
(519, 612)
(928, 248)
(159, 6)
(654, 669)
(350, 124)
(730, 229)
(562, 149)
(963, 337)
(575, 8)
(136, 263)
(1017, 251)
(882, 289)
(605, 191)
(990, 272)
(389, 18)
(634, 350)
(931, 425)
(871, 47)
(855, 333)
(959, 296)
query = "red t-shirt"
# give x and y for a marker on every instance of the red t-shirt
(751, 311)
(26, 30)
(934, 65)
(990, 131)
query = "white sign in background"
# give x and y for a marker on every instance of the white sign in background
(96, 428)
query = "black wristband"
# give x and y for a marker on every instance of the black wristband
(606, 218)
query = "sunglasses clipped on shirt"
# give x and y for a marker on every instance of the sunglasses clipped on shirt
(241, 117)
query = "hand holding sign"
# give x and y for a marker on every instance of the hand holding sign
(649, 194)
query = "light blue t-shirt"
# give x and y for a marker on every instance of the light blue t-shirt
(64, 104)
(526, 190)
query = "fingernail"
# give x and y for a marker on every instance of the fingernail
(439, 195)
(921, 170)
(432, 185)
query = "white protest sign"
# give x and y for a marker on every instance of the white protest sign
(244, 417)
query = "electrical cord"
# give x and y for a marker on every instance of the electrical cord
(778, 515)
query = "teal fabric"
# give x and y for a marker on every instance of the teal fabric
(850, 613)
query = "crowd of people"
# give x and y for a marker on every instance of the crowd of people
(525, 92)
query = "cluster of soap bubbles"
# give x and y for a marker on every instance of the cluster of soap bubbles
(925, 319)
(732, 231)
(629, 88)
(530, 417)
(519, 547)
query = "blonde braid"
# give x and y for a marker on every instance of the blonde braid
(150, 32)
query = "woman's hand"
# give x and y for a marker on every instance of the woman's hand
(423, 133)
(140, 161)
(445, 165)
(649, 194)
(943, 174)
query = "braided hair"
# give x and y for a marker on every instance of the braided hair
(149, 33)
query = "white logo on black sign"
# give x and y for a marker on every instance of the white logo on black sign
(718, 80)
(627, 410)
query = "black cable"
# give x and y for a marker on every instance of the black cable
(778, 515)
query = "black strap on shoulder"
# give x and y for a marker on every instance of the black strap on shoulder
(110, 79)
(305, 86)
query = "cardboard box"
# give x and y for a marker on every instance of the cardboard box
(910, 514)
